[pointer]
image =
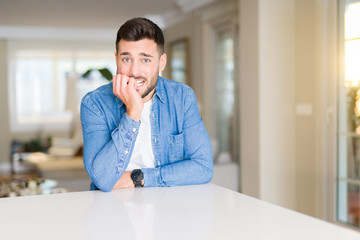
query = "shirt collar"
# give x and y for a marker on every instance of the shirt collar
(159, 90)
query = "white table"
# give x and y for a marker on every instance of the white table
(188, 212)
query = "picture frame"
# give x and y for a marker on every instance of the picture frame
(179, 60)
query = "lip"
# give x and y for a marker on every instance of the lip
(139, 83)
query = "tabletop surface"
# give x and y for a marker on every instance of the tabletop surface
(187, 212)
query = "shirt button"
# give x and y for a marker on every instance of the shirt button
(126, 151)
(134, 129)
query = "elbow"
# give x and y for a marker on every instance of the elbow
(208, 167)
(209, 170)
(208, 175)
(98, 183)
(106, 189)
(95, 185)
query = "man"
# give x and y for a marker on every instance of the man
(142, 129)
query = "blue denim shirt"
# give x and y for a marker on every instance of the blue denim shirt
(180, 142)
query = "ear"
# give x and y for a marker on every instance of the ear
(116, 58)
(162, 64)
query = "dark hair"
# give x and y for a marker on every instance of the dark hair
(140, 28)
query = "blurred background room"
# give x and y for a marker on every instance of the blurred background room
(277, 83)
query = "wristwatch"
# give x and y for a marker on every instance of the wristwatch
(137, 176)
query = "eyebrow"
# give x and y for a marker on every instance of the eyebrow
(146, 55)
(142, 54)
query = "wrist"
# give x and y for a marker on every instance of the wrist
(134, 115)
(125, 181)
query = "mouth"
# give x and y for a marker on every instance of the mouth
(139, 83)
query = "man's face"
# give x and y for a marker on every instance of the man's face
(141, 60)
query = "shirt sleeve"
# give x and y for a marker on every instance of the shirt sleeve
(106, 151)
(197, 165)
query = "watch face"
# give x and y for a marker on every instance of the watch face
(137, 175)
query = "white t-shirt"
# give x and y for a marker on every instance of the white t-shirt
(143, 155)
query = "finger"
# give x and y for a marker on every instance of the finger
(114, 82)
(132, 83)
(117, 84)
(123, 83)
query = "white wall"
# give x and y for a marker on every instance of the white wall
(268, 81)
(306, 92)
(277, 98)
(287, 60)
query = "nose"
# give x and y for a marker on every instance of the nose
(135, 69)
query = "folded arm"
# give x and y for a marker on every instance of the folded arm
(106, 152)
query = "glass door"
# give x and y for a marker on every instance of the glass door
(226, 104)
(348, 174)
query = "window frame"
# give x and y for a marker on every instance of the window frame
(75, 49)
(341, 200)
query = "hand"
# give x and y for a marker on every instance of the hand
(124, 88)
(125, 181)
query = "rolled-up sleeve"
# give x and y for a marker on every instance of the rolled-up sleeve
(106, 151)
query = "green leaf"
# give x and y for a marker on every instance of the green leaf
(86, 74)
(106, 73)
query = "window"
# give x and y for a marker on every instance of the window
(179, 64)
(348, 196)
(41, 92)
(226, 114)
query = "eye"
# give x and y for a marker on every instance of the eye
(146, 60)
(126, 59)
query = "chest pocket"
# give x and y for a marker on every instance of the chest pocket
(176, 147)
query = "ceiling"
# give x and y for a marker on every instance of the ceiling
(94, 14)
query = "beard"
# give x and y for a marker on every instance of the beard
(152, 83)
(150, 88)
